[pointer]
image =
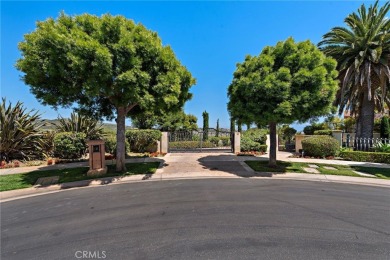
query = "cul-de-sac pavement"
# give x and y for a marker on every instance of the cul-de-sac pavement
(205, 206)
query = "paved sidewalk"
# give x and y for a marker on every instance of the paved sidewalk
(176, 166)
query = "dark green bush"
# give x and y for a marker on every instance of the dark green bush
(142, 140)
(190, 144)
(359, 156)
(323, 132)
(320, 146)
(68, 145)
(110, 145)
(248, 145)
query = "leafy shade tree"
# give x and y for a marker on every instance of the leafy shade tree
(77, 123)
(177, 121)
(232, 126)
(108, 65)
(205, 126)
(288, 82)
(288, 133)
(239, 125)
(217, 129)
(145, 120)
(310, 129)
(19, 131)
(362, 50)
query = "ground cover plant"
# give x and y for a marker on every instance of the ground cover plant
(344, 170)
(25, 180)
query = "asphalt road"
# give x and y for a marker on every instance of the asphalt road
(203, 219)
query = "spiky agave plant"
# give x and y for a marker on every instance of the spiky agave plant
(79, 123)
(19, 131)
(362, 50)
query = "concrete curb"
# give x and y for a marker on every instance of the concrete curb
(37, 191)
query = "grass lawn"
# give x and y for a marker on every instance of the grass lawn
(28, 179)
(262, 166)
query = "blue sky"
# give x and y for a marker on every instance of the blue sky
(209, 38)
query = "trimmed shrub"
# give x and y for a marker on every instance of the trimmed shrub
(190, 144)
(320, 146)
(68, 145)
(110, 145)
(142, 140)
(248, 145)
(323, 132)
(220, 141)
(360, 156)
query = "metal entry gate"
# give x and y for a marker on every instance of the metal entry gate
(200, 141)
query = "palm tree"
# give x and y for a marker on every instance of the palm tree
(362, 50)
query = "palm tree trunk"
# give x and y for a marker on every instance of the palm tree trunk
(365, 124)
(272, 147)
(120, 139)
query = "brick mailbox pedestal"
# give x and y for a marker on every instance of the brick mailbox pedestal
(97, 162)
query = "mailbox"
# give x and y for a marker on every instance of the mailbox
(97, 162)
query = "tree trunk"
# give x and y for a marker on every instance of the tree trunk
(365, 125)
(272, 148)
(120, 139)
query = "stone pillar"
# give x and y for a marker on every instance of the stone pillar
(164, 142)
(268, 143)
(298, 142)
(97, 161)
(338, 134)
(237, 142)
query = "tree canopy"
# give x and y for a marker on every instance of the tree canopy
(106, 65)
(288, 82)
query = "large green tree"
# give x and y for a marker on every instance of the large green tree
(362, 50)
(288, 82)
(108, 65)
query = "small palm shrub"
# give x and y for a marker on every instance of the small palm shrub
(19, 132)
(79, 123)
(320, 146)
(69, 145)
(382, 147)
(47, 143)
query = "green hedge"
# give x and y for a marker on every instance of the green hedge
(69, 145)
(190, 144)
(323, 132)
(320, 146)
(220, 141)
(142, 140)
(359, 156)
(248, 145)
(110, 145)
